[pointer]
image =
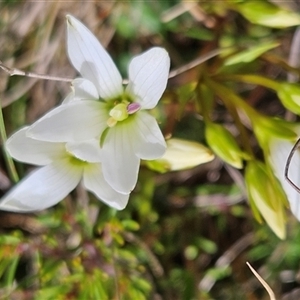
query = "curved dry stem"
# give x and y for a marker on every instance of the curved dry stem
(264, 284)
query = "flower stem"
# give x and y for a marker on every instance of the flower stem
(234, 104)
(8, 160)
(14, 71)
(252, 79)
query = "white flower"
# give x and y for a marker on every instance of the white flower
(118, 118)
(63, 167)
(279, 152)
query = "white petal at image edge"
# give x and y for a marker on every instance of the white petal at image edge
(91, 60)
(42, 188)
(94, 181)
(148, 76)
(280, 151)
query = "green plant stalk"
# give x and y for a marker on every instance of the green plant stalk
(204, 111)
(252, 79)
(279, 61)
(10, 275)
(233, 103)
(232, 99)
(8, 160)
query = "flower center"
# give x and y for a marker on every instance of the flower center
(74, 159)
(121, 111)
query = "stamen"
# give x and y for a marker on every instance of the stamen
(111, 122)
(133, 107)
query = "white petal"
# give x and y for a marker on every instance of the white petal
(279, 152)
(89, 150)
(84, 89)
(31, 151)
(75, 121)
(42, 188)
(70, 97)
(94, 181)
(148, 141)
(148, 76)
(91, 60)
(120, 165)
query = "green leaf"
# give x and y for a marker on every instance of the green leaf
(266, 195)
(219, 273)
(141, 284)
(130, 225)
(251, 54)
(53, 292)
(11, 271)
(199, 33)
(267, 128)
(191, 252)
(224, 144)
(10, 239)
(289, 94)
(267, 14)
(207, 245)
(206, 99)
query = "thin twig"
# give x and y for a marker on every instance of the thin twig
(195, 62)
(8, 159)
(264, 284)
(173, 73)
(176, 11)
(14, 71)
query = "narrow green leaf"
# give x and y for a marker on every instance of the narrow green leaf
(250, 54)
(267, 14)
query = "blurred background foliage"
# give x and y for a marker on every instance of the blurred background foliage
(184, 234)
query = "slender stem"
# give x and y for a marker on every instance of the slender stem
(202, 99)
(8, 160)
(196, 62)
(14, 71)
(279, 61)
(173, 73)
(233, 102)
(114, 258)
(229, 97)
(264, 284)
(252, 79)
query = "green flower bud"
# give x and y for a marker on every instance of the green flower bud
(289, 94)
(266, 196)
(224, 145)
(181, 155)
(266, 129)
